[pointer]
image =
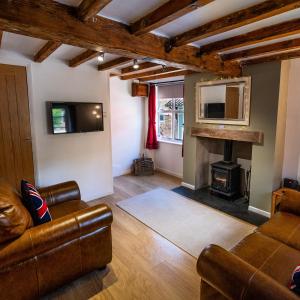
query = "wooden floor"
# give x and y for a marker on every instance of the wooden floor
(145, 265)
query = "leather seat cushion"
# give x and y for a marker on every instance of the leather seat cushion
(284, 227)
(269, 256)
(65, 208)
(14, 217)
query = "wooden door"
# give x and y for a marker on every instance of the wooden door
(232, 103)
(16, 159)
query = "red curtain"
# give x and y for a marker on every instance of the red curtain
(152, 142)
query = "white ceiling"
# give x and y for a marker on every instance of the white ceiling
(128, 11)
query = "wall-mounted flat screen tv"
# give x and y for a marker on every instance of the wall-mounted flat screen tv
(214, 110)
(74, 117)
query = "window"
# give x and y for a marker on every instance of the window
(170, 119)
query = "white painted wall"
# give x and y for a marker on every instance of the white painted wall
(291, 165)
(168, 159)
(127, 125)
(213, 94)
(84, 157)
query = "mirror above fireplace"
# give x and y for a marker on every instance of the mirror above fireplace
(223, 101)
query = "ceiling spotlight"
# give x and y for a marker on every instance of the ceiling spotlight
(135, 64)
(101, 57)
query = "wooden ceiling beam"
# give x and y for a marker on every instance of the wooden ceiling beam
(164, 14)
(275, 57)
(142, 67)
(83, 57)
(46, 51)
(162, 70)
(272, 48)
(90, 8)
(1, 36)
(251, 38)
(168, 75)
(114, 63)
(51, 20)
(235, 20)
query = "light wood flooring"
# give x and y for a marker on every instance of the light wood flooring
(145, 265)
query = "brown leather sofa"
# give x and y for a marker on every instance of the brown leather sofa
(261, 265)
(44, 257)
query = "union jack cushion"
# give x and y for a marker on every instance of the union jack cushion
(35, 204)
(295, 283)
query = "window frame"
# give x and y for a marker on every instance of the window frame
(173, 112)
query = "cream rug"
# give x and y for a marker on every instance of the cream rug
(186, 223)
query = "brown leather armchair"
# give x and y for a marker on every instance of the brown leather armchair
(261, 265)
(44, 257)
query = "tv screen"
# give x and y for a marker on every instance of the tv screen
(73, 117)
(214, 110)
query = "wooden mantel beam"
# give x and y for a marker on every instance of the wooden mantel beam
(114, 63)
(167, 75)
(90, 8)
(268, 49)
(251, 38)
(150, 73)
(50, 20)
(164, 14)
(46, 51)
(82, 58)
(235, 20)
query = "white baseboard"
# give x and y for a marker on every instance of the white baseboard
(187, 185)
(169, 172)
(259, 211)
(124, 172)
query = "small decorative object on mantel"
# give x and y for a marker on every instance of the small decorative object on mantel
(143, 166)
(139, 90)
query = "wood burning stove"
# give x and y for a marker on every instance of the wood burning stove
(226, 174)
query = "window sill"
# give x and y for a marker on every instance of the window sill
(179, 143)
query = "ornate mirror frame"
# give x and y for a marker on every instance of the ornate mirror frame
(247, 99)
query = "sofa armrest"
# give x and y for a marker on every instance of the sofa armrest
(236, 279)
(61, 192)
(289, 201)
(45, 237)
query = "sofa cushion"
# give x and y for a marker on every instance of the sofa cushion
(284, 227)
(65, 208)
(36, 205)
(14, 217)
(295, 284)
(269, 256)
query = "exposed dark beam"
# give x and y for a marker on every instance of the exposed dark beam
(166, 13)
(142, 67)
(272, 48)
(46, 51)
(168, 75)
(82, 58)
(235, 20)
(51, 20)
(90, 8)
(162, 70)
(114, 63)
(114, 74)
(1, 36)
(274, 57)
(251, 38)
